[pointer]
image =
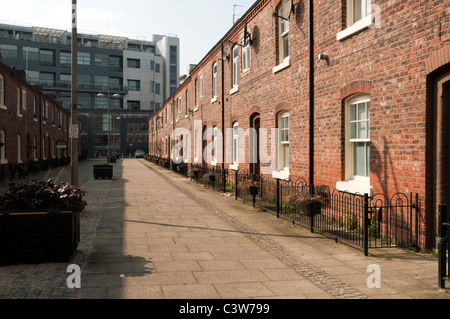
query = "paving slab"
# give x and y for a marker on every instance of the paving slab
(152, 234)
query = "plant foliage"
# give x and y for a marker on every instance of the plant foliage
(44, 195)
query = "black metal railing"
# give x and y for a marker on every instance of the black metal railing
(443, 246)
(365, 221)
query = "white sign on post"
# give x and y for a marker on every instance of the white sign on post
(73, 131)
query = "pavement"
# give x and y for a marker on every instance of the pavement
(149, 233)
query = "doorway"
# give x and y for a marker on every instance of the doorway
(438, 165)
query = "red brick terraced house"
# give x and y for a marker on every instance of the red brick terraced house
(33, 127)
(356, 93)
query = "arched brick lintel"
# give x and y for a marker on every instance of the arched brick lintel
(438, 60)
(356, 87)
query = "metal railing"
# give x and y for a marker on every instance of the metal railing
(365, 221)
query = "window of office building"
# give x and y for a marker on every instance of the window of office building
(47, 57)
(84, 58)
(134, 63)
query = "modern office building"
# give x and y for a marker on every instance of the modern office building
(134, 77)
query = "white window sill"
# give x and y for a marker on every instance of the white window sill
(355, 187)
(5, 161)
(285, 64)
(186, 160)
(214, 163)
(196, 109)
(355, 28)
(19, 115)
(284, 174)
(234, 167)
(3, 107)
(234, 89)
(214, 99)
(195, 160)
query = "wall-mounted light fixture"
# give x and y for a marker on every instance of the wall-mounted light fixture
(325, 57)
(247, 38)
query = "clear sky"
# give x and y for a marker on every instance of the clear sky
(198, 23)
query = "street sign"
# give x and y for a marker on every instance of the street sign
(61, 144)
(73, 131)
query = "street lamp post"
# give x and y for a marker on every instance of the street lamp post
(109, 119)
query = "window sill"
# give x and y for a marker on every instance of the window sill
(355, 187)
(285, 64)
(234, 89)
(3, 107)
(234, 167)
(355, 28)
(5, 161)
(214, 99)
(284, 174)
(214, 163)
(196, 109)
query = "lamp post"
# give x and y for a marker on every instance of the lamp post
(109, 118)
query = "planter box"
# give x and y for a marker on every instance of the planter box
(33, 237)
(103, 171)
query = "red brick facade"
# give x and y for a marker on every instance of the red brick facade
(31, 123)
(392, 61)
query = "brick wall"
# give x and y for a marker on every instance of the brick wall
(390, 61)
(28, 122)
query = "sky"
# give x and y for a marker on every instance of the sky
(199, 24)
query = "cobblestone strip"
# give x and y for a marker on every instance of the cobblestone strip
(49, 280)
(332, 285)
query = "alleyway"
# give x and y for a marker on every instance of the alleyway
(149, 233)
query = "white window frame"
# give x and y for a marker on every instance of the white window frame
(356, 183)
(19, 102)
(24, 99)
(235, 146)
(3, 159)
(283, 146)
(196, 94)
(214, 83)
(201, 86)
(2, 92)
(19, 149)
(235, 70)
(245, 55)
(196, 146)
(214, 146)
(35, 149)
(283, 33)
(355, 24)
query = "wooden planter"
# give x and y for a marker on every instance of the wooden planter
(33, 237)
(103, 171)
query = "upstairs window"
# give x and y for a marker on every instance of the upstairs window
(245, 56)
(235, 66)
(2, 90)
(357, 10)
(358, 15)
(214, 81)
(283, 31)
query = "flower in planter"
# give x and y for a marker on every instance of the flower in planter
(45, 195)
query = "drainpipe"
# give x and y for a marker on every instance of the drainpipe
(223, 119)
(311, 96)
